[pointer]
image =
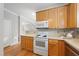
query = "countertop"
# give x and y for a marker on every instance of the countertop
(74, 42)
(30, 35)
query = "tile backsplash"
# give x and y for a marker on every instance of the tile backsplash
(61, 32)
(77, 33)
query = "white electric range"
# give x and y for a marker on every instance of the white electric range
(41, 43)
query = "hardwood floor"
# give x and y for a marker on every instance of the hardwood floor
(16, 50)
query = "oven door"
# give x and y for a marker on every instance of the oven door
(41, 47)
(41, 44)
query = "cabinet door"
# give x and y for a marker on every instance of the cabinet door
(61, 48)
(42, 15)
(39, 16)
(53, 47)
(52, 18)
(62, 17)
(29, 43)
(23, 42)
(72, 19)
(77, 15)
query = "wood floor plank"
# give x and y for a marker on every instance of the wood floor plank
(16, 50)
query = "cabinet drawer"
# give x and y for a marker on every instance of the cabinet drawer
(52, 41)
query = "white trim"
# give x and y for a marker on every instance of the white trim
(5, 9)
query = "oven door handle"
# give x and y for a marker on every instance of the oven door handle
(41, 40)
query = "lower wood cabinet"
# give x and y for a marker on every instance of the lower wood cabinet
(27, 43)
(53, 48)
(23, 42)
(56, 47)
(70, 51)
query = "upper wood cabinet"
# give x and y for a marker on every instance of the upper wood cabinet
(42, 15)
(52, 18)
(78, 15)
(62, 17)
(72, 15)
(56, 17)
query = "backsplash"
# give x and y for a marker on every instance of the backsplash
(61, 32)
(77, 33)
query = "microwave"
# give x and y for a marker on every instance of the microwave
(42, 24)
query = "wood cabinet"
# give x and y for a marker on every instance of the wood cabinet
(27, 43)
(72, 15)
(52, 18)
(70, 51)
(62, 17)
(55, 47)
(42, 15)
(23, 42)
(77, 15)
(56, 17)
(61, 46)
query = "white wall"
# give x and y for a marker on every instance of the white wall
(27, 25)
(1, 28)
(7, 32)
(27, 20)
(26, 16)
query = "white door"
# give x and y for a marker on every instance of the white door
(10, 27)
(7, 32)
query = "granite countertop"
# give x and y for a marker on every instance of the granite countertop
(57, 38)
(73, 42)
(31, 35)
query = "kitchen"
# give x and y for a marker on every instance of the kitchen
(52, 29)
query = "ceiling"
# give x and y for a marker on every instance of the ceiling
(32, 6)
